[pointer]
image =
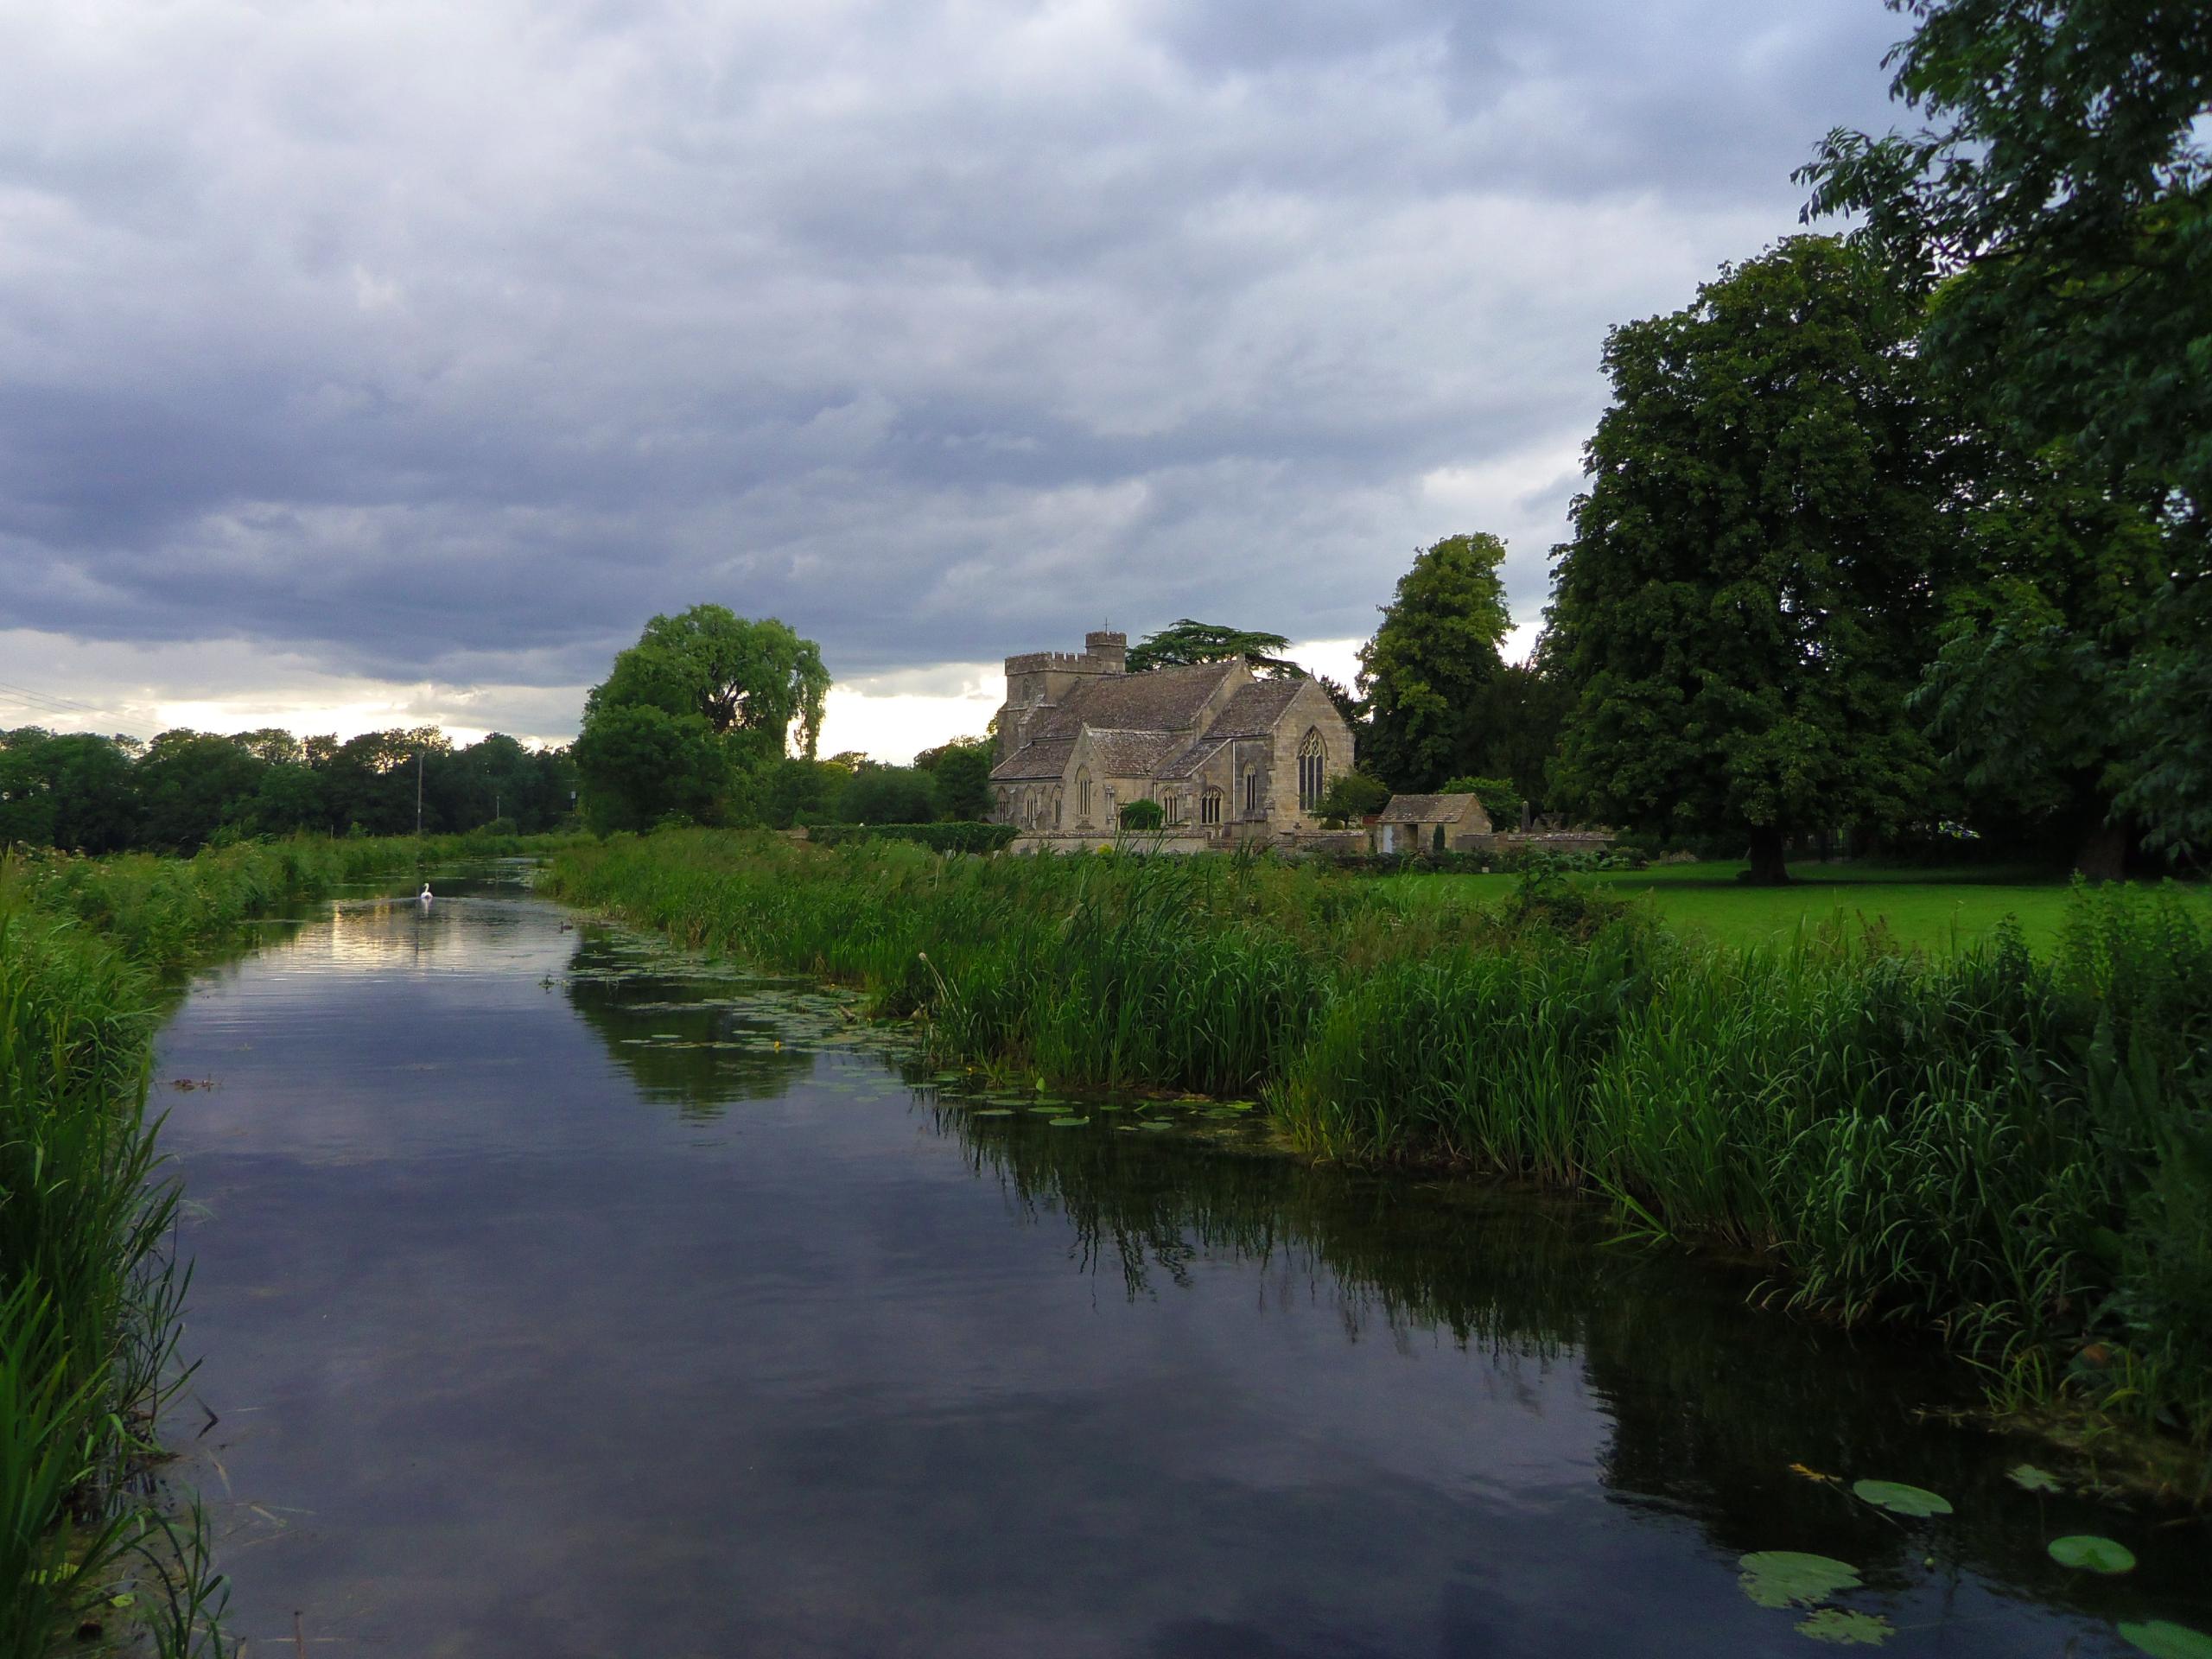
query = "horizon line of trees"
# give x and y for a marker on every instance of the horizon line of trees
(84, 792)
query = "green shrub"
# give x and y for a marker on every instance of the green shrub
(1144, 815)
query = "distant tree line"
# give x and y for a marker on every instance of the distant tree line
(84, 792)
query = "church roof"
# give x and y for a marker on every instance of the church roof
(1255, 709)
(1133, 754)
(1165, 700)
(1430, 809)
(1252, 712)
(1135, 720)
(1036, 760)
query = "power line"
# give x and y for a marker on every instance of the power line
(54, 697)
(44, 703)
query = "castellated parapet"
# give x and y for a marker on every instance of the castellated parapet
(1038, 681)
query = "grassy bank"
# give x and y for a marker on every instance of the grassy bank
(1932, 909)
(2013, 1148)
(90, 1297)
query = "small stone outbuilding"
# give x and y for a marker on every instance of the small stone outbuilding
(1431, 823)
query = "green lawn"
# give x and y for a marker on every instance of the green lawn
(1928, 907)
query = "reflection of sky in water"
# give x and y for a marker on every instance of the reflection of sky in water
(533, 1332)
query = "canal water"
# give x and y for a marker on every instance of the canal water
(555, 1294)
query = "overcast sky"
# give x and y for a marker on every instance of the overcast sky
(368, 364)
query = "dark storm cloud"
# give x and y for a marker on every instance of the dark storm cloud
(425, 338)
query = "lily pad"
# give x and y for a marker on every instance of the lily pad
(992, 1111)
(123, 1599)
(1847, 1629)
(1777, 1578)
(2163, 1639)
(1070, 1122)
(2029, 1478)
(2091, 1554)
(1155, 1124)
(1899, 1498)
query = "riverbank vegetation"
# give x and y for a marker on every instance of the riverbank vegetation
(2011, 1148)
(91, 1297)
(1936, 909)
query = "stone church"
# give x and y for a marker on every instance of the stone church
(1228, 756)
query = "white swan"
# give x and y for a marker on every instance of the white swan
(425, 895)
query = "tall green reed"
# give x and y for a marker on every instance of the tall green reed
(2013, 1150)
(91, 1294)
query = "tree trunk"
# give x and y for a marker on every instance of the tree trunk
(1767, 867)
(2103, 854)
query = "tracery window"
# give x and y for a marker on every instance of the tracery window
(1251, 793)
(1210, 807)
(1083, 796)
(1312, 761)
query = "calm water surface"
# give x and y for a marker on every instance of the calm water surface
(559, 1296)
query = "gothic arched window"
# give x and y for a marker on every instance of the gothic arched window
(1210, 807)
(1312, 761)
(1083, 795)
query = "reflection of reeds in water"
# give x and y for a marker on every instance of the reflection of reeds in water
(90, 1298)
(2013, 1150)
(1703, 1415)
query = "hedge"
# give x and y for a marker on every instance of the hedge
(955, 837)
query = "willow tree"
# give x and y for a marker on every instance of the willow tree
(704, 700)
(1751, 590)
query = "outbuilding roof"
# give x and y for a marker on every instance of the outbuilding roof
(1431, 809)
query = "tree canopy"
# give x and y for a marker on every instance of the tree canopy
(1187, 642)
(2057, 207)
(1751, 589)
(693, 718)
(962, 769)
(756, 684)
(95, 794)
(1436, 650)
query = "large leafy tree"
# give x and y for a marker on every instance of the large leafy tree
(191, 784)
(639, 764)
(695, 717)
(1514, 729)
(373, 780)
(756, 685)
(2057, 205)
(1751, 588)
(1423, 676)
(1187, 642)
(2027, 699)
(962, 771)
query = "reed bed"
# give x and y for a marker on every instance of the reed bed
(2010, 1149)
(90, 1296)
